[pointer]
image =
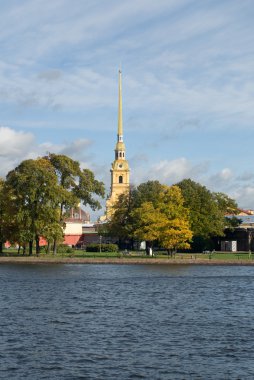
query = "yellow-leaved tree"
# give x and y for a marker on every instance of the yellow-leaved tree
(165, 220)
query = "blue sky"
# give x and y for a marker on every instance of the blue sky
(188, 94)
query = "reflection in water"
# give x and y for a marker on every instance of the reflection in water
(126, 322)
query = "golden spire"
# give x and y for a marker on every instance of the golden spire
(120, 109)
(120, 147)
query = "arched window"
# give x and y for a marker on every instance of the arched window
(120, 179)
(120, 154)
(123, 154)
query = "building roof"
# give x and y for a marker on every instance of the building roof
(78, 215)
(246, 219)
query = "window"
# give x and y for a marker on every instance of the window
(120, 179)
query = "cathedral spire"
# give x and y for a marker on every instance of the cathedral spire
(120, 172)
(120, 147)
(120, 108)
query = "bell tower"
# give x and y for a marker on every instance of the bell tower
(120, 172)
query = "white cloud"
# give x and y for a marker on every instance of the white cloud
(18, 146)
(13, 147)
(246, 176)
(14, 143)
(244, 196)
(222, 178)
(76, 148)
(170, 172)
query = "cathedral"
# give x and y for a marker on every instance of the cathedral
(120, 172)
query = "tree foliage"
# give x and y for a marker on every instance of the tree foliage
(207, 210)
(165, 220)
(3, 221)
(77, 184)
(38, 194)
(34, 196)
(152, 212)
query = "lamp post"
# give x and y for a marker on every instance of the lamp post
(100, 237)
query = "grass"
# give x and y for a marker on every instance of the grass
(227, 256)
(223, 256)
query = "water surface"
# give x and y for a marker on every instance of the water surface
(126, 322)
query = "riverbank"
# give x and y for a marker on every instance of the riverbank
(122, 261)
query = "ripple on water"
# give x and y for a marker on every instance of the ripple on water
(126, 322)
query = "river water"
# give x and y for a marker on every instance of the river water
(126, 322)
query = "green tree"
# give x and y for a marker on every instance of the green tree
(146, 192)
(39, 194)
(76, 185)
(33, 196)
(3, 221)
(121, 225)
(207, 212)
(227, 205)
(54, 234)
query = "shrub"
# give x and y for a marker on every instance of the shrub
(93, 247)
(62, 248)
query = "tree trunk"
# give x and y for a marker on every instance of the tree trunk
(1, 247)
(19, 249)
(37, 240)
(54, 247)
(48, 248)
(30, 247)
(24, 249)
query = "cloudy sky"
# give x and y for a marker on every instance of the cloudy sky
(188, 92)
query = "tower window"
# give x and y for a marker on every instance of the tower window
(120, 154)
(123, 154)
(120, 179)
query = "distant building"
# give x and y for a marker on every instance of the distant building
(73, 226)
(89, 234)
(245, 212)
(240, 238)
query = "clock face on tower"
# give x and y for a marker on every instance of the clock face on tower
(120, 166)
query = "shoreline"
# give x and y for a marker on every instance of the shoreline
(121, 261)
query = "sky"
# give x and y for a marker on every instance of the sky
(187, 79)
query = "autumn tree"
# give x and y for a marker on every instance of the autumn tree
(165, 220)
(148, 213)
